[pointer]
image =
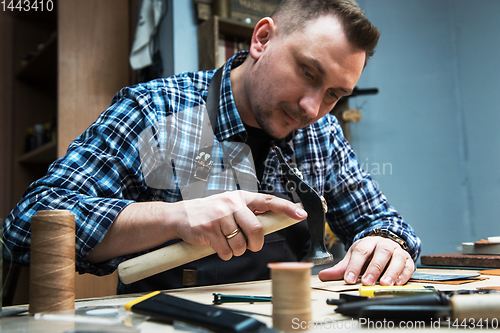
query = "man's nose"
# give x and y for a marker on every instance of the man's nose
(311, 103)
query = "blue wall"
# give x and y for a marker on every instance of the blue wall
(430, 137)
(479, 72)
(435, 119)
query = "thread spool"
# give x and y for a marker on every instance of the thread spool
(476, 307)
(52, 266)
(291, 290)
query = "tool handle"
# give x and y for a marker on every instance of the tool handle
(476, 307)
(168, 308)
(181, 253)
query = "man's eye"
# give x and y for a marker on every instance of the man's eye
(308, 75)
(333, 95)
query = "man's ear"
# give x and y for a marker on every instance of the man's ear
(262, 33)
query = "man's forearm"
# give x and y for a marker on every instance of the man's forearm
(139, 227)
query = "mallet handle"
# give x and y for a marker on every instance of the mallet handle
(181, 253)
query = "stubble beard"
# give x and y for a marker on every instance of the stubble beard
(265, 117)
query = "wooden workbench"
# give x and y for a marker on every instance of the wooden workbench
(322, 313)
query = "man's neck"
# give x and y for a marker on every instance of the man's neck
(239, 94)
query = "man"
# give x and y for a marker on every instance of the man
(132, 182)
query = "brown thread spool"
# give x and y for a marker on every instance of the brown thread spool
(291, 290)
(52, 266)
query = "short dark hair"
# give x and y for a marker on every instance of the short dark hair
(292, 15)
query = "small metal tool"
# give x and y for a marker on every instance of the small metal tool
(220, 298)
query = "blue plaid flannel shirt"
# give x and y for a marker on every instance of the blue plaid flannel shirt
(101, 172)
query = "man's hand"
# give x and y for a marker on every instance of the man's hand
(382, 257)
(145, 225)
(210, 220)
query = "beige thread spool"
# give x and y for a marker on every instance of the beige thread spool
(291, 290)
(52, 266)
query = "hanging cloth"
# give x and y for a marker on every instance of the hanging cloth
(149, 20)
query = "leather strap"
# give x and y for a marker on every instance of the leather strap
(213, 98)
(207, 136)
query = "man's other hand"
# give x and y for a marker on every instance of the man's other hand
(382, 258)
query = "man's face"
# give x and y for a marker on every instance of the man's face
(299, 78)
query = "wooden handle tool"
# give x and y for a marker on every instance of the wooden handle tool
(181, 253)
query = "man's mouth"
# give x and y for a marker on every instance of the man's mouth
(289, 119)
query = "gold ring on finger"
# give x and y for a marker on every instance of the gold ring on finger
(234, 233)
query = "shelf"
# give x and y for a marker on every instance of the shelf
(234, 28)
(209, 39)
(43, 66)
(84, 34)
(44, 154)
